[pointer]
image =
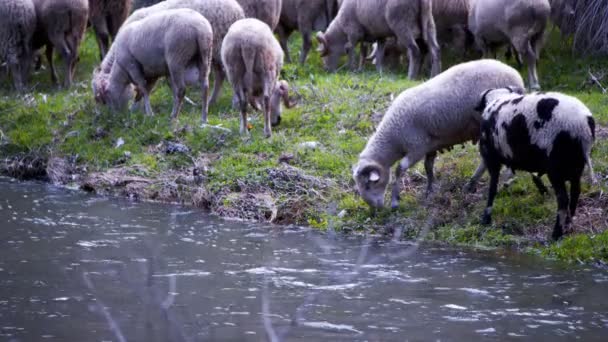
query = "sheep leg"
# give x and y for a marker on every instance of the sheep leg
(352, 54)
(539, 184)
(435, 50)
(414, 55)
(380, 55)
(592, 177)
(403, 165)
(267, 119)
(362, 55)
(575, 192)
(17, 76)
(306, 44)
(137, 76)
(472, 183)
(559, 185)
(429, 162)
(49, 57)
(218, 80)
(284, 34)
(494, 171)
(179, 91)
(240, 93)
(523, 47)
(204, 93)
(67, 55)
(306, 21)
(102, 36)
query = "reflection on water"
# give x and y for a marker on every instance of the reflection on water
(80, 268)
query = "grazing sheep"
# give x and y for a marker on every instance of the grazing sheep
(451, 18)
(362, 20)
(304, 16)
(106, 17)
(426, 119)
(176, 43)
(253, 60)
(16, 33)
(548, 133)
(520, 23)
(268, 11)
(61, 25)
(220, 13)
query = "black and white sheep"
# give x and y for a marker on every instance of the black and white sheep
(547, 133)
(106, 17)
(426, 119)
(16, 33)
(61, 25)
(176, 43)
(253, 60)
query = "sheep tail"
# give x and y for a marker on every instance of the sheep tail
(248, 54)
(205, 54)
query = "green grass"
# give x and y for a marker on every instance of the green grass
(336, 112)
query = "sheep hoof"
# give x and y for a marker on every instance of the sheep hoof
(486, 218)
(557, 235)
(469, 188)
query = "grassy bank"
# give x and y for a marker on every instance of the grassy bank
(302, 175)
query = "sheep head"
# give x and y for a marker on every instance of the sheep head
(107, 93)
(331, 49)
(280, 94)
(371, 179)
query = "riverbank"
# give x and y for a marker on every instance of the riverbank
(302, 175)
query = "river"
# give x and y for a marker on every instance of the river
(76, 267)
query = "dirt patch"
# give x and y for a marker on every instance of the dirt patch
(285, 196)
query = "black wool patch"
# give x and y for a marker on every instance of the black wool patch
(591, 123)
(567, 156)
(545, 107)
(526, 156)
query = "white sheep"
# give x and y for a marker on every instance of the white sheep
(425, 119)
(521, 23)
(220, 13)
(106, 17)
(268, 11)
(16, 33)
(362, 20)
(547, 133)
(61, 25)
(304, 16)
(253, 60)
(176, 43)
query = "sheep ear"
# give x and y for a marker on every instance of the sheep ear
(370, 172)
(516, 89)
(374, 176)
(484, 101)
(283, 87)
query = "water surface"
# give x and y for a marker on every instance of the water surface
(75, 267)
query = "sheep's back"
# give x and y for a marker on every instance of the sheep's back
(445, 106)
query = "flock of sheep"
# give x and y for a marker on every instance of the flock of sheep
(483, 100)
